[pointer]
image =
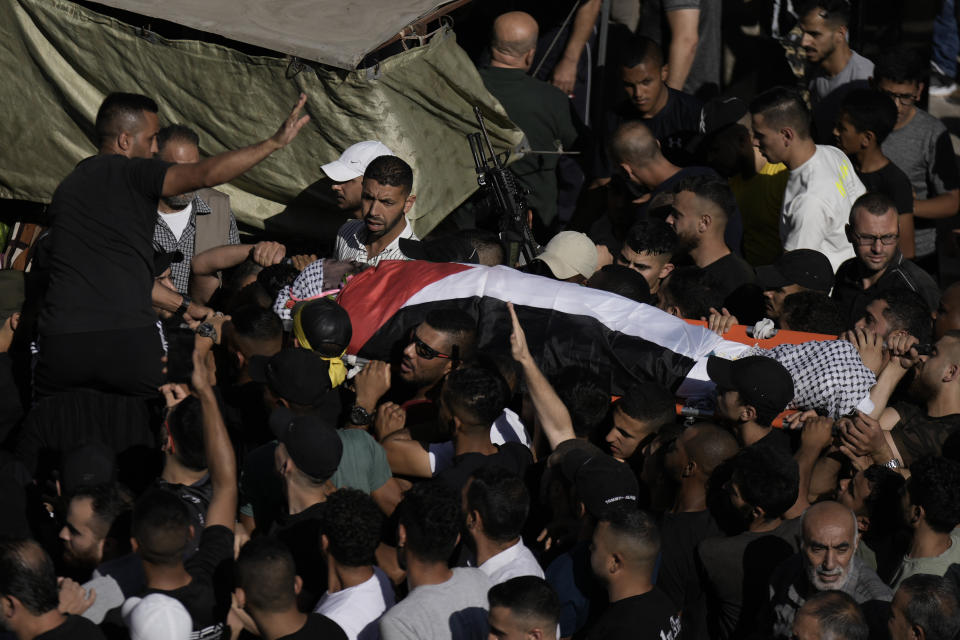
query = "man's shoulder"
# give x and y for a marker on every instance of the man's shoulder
(211, 196)
(688, 107)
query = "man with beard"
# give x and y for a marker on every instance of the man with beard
(190, 222)
(701, 209)
(85, 535)
(347, 174)
(827, 561)
(907, 431)
(496, 503)
(384, 202)
(878, 265)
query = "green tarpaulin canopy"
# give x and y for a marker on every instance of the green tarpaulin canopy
(58, 61)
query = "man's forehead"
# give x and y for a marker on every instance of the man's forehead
(374, 187)
(863, 219)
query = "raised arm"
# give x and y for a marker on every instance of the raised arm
(221, 462)
(224, 167)
(684, 32)
(565, 73)
(206, 265)
(551, 412)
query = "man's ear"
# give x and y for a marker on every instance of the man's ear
(748, 413)
(866, 138)
(674, 310)
(863, 524)
(283, 402)
(705, 221)
(134, 545)
(789, 135)
(528, 57)
(297, 584)
(409, 203)
(535, 634)
(666, 270)
(124, 141)
(758, 513)
(615, 562)
(689, 469)
(950, 374)
(9, 606)
(14, 321)
(324, 543)
(241, 597)
(401, 535)
(664, 72)
(629, 171)
(474, 521)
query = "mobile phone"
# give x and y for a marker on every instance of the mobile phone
(180, 343)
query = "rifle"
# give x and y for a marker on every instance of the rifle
(508, 195)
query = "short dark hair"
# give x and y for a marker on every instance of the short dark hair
(934, 605)
(459, 325)
(27, 574)
(484, 242)
(585, 398)
(934, 485)
(430, 514)
(161, 527)
(687, 290)
(838, 615)
(390, 171)
(901, 65)
(256, 323)
(653, 236)
(767, 478)
(479, 392)
(870, 110)
(528, 597)
(107, 502)
(177, 133)
(276, 277)
(907, 310)
(650, 402)
(783, 107)
(836, 12)
(119, 109)
(873, 202)
(621, 280)
(625, 519)
(266, 572)
(185, 424)
(352, 523)
(812, 311)
(641, 50)
(713, 189)
(502, 500)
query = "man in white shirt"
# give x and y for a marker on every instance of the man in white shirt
(385, 200)
(822, 186)
(496, 503)
(347, 173)
(358, 593)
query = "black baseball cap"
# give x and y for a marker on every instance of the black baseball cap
(87, 465)
(762, 382)
(325, 324)
(299, 376)
(805, 267)
(311, 441)
(600, 481)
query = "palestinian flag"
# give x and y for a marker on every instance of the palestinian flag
(618, 340)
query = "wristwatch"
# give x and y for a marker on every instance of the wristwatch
(892, 463)
(360, 416)
(182, 309)
(207, 330)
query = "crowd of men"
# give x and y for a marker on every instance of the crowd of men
(190, 452)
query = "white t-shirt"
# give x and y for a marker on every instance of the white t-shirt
(816, 205)
(358, 609)
(510, 563)
(177, 221)
(506, 428)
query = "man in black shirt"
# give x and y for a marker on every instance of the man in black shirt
(28, 589)
(793, 272)
(873, 230)
(97, 324)
(162, 528)
(702, 207)
(267, 589)
(624, 552)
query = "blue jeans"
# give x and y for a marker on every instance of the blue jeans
(946, 42)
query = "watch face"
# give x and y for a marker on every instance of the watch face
(359, 415)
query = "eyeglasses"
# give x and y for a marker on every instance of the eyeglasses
(906, 99)
(424, 350)
(867, 240)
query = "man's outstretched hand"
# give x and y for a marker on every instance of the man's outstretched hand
(292, 125)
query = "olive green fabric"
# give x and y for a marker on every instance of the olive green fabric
(59, 60)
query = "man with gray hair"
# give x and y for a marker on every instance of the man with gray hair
(830, 615)
(925, 607)
(826, 562)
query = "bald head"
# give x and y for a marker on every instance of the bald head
(709, 446)
(825, 516)
(634, 144)
(514, 40)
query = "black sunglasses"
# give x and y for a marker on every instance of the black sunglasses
(427, 352)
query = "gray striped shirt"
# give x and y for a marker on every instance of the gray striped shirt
(352, 236)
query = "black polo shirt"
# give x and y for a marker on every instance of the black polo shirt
(852, 298)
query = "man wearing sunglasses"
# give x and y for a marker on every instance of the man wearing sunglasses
(878, 265)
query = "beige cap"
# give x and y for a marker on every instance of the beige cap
(570, 253)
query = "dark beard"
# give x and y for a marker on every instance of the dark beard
(921, 391)
(179, 202)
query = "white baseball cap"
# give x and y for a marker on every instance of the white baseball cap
(570, 253)
(354, 160)
(156, 617)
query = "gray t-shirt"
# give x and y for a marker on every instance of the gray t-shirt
(822, 85)
(706, 65)
(456, 608)
(923, 151)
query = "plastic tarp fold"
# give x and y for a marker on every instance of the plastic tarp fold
(59, 60)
